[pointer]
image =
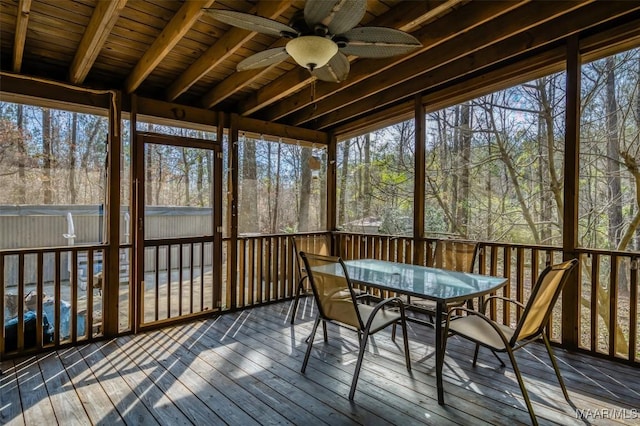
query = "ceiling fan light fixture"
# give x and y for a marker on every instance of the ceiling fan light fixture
(311, 52)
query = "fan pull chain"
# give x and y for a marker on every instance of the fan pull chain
(313, 95)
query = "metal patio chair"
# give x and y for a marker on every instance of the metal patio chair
(337, 302)
(483, 331)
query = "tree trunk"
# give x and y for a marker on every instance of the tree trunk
(274, 219)
(187, 178)
(465, 152)
(555, 182)
(305, 190)
(344, 173)
(269, 196)
(455, 166)
(613, 158)
(148, 175)
(512, 176)
(199, 179)
(366, 185)
(47, 156)
(72, 158)
(159, 169)
(22, 156)
(248, 220)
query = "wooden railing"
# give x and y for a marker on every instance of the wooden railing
(607, 320)
(61, 284)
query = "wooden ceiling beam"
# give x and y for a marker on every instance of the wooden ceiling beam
(492, 54)
(224, 48)
(179, 25)
(236, 82)
(406, 17)
(459, 21)
(22, 21)
(102, 21)
(408, 73)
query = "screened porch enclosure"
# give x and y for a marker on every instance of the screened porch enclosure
(158, 197)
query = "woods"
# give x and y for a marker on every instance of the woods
(494, 166)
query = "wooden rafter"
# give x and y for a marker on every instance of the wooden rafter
(102, 21)
(168, 38)
(406, 17)
(465, 18)
(223, 48)
(24, 6)
(235, 82)
(545, 34)
(406, 75)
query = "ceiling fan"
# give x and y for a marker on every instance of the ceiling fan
(320, 37)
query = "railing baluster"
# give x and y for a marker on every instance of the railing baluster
(613, 305)
(242, 272)
(57, 304)
(21, 325)
(73, 282)
(595, 284)
(2, 293)
(633, 309)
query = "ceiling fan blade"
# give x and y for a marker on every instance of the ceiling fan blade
(378, 42)
(337, 15)
(336, 70)
(263, 59)
(246, 21)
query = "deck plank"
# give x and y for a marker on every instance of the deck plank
(243, 368)
(11, 408)
(64, 399)
(121, 396)
(94, 399)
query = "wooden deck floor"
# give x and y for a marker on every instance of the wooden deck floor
(243, 368)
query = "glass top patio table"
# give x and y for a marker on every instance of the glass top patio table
(436, 284)
(441, 285)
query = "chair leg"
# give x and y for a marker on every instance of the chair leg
(393, 332)
(356, 374)
(475, 354)
(555, 366)
(310, 344)
(405, 336)
(296, 299)
(525, 394)
(324, 331)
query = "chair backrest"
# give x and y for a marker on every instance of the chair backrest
(455, 255)
(318, 244)
(332, 288)
(543, 297)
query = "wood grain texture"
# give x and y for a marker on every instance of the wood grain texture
(244, 368)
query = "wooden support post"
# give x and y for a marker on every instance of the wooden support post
(111, 266)
(571, 293)
(217, 213)
(232, 250)
(331, 185)
(419, 181)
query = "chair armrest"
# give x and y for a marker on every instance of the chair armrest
(388, 301)
(506, 299)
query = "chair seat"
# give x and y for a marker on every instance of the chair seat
(382, 319)
(342, 310)
(477, 329)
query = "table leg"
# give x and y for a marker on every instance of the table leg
(439, 353)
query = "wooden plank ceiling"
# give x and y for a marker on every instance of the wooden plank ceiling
(172, 51)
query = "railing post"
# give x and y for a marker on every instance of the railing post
(571, 292)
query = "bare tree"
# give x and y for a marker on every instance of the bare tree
(47, 157)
